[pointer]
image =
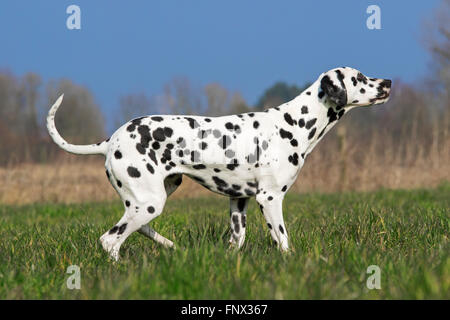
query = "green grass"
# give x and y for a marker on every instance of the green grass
(335, 238)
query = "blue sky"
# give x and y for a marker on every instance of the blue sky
(137, 46)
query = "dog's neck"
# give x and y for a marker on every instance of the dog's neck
(310, 104)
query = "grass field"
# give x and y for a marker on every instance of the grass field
(334, 237)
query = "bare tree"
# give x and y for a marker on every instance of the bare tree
(132, 106)
(181, 98)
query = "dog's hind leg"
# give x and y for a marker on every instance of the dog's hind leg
(139, 212)
(171, 183)
(238, 215)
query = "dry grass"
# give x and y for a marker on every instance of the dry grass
(336, 165)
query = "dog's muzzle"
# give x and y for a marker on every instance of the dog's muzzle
(384, 90)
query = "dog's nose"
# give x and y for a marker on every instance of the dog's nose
(387, 83)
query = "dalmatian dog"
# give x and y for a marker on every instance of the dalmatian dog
(255, 154)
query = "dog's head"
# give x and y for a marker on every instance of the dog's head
(349, 87)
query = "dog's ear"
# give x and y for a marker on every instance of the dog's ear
(334, 89)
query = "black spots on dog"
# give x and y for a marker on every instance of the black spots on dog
(321, 94)
(311, 133)
(199, 166)
(224, 142)
(166, 156)
(195, 156)
(355, 101)
(192, 122)
(127, 203)
(243, 220)
(293, 159)
(229, 126)
(216, 133)
(156, 145)
(150, 168)
(332, 115)
(241, 204)
(152, 155)
(289, 120)
(144, 131)
(251, 114)
(134, 123)
(285, 134)
(157, 118)
(255, 124)
(252, 184)
(180, 153)
(303, 155)
(235, 220)
(294, 143)
(301, 123)
(203, 133)
(341, 113)
(169, 146)
(168, 132)
(361, 78)
(140, 148)
(270, 198)
(354, 81)
(216, 170)
(219, 182)
(236, 187)
(159, 135)
(122, 228)
(151, 209)
(270, 226)
(362, 90)
(284, 189)
(207, 119)
(233, 165)
(107, 174)
(203, 145)
(113, 230)
(308, 93)
(119, 184)
(118, 154)
(281, 229)
(181, 142)
(133, 172)
(310, 123)
(264, 145)
(304, 109)
(249, 192)
(230, 153)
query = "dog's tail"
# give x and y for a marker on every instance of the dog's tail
(99, 148)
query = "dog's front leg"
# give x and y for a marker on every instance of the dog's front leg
(238, 211)
(272, 209)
